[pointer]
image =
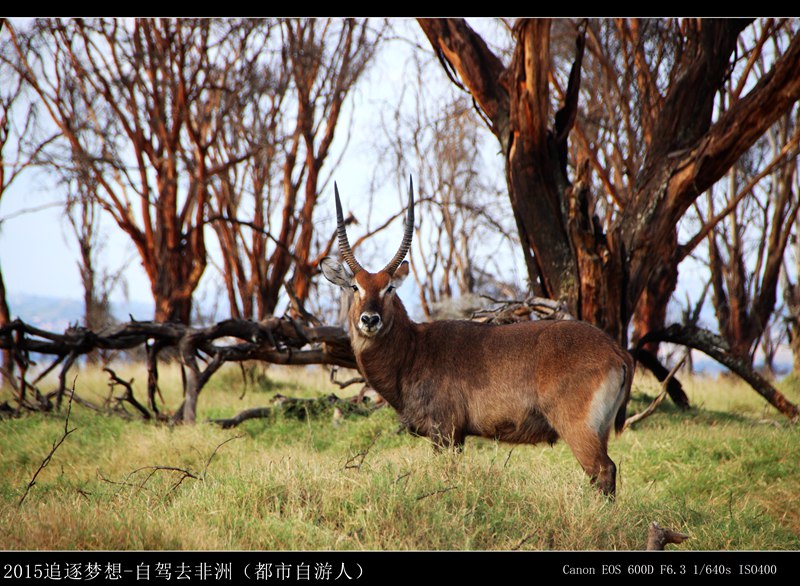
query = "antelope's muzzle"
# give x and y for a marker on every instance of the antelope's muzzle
(369, 323)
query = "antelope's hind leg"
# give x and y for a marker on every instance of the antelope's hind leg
(591, 452)
(588, 435)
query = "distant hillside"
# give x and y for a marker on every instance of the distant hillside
(56, 314)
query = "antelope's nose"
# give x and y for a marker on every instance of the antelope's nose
(370, 320)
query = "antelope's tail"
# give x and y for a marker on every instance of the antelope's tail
(627, 381)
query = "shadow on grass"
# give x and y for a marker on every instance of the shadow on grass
(696, 414)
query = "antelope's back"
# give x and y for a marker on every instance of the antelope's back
(565, 369)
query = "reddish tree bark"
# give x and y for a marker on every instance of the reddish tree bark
(603, 271)
(291, 119)
(6, 358)
(140, 108)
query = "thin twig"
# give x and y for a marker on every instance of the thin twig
(180, 481)
(155, 469)
(128, 396)
(214, 453)
(361, 456)
(56, 445)
(435, 492)
(109, 481)
(522, 542)
(402, 477)
(657, 401)
(244, 380)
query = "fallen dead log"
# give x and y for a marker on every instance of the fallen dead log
(280, 340)
(674, 388)
(717, 348)
(302, 408)
(202, 351)
(239, 418)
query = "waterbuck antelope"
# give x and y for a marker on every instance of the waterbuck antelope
(525, 383)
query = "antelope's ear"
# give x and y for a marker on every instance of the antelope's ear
(336, 273)
(400, 274)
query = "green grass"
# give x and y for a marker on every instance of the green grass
(727, 473)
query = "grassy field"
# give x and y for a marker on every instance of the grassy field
(727, 473)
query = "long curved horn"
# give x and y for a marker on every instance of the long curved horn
(344, 244)
(405, 245)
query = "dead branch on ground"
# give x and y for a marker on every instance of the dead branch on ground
(152, 470)
(203, 350)
(355, 462)
(128, 395)
(673, 386)
(658, 537)
(717, 348)
(300, 408)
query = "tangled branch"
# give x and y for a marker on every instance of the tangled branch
(202, 351)
(514, 310)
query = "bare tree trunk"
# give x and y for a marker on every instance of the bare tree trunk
(651, 310)
(794, 342)
(6, 357)
(601, 270)
(791, 297)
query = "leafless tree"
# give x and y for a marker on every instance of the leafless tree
(140, 103)
(790, 284)
(290, 109)
(601, 263)
(461, 244)
(770, 343)
(746, 249)
(19, 147)
(98, 282)
(604, 251)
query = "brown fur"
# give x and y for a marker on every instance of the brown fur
(524, 383)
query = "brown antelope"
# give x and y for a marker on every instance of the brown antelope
(524, 383)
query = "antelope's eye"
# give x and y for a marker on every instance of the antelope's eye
(390, 288)
(355, 288)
